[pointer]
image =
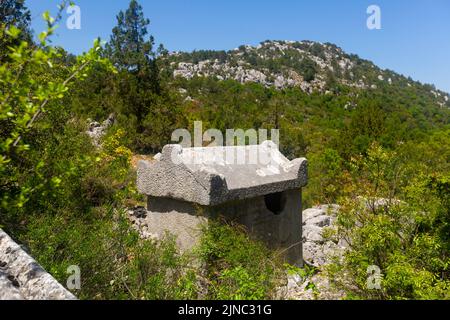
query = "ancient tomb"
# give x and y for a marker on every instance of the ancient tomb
(255, 186)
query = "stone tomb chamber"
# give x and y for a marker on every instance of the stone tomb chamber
(255, 186)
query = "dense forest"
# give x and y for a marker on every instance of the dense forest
(384, 137)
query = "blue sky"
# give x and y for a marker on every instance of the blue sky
(414, 39)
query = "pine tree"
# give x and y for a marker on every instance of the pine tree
(131, 50)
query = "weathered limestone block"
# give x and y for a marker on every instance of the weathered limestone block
(254, 185)
(8, 289)
(21, 277)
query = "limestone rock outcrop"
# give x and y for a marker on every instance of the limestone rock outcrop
(97, 130)
(317, 249)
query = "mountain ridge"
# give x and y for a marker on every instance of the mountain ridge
(309, 65)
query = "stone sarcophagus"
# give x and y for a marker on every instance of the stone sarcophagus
(254, 185)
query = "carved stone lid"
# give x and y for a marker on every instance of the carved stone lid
(214, 175)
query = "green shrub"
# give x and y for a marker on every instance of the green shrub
(238, 267)
(114, 262)
(399, 225)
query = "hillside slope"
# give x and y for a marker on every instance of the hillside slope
(310, 66)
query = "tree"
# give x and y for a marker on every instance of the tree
(130, 49)
(32, 84)
(13, 13)
(308, 69)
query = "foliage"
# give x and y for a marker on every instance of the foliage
(128, 48)
(114, 262)
(236, 266)
(13, 13)
(399, 224)
(33, 82)
(132, 54)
